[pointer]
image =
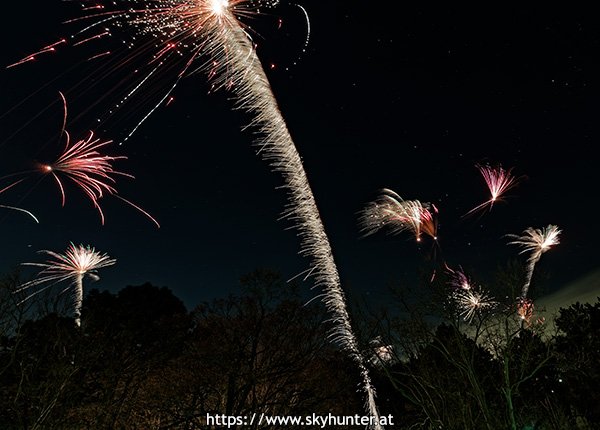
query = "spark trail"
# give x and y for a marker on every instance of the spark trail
(26, 212)
(243, 74)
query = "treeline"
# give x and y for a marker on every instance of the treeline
(141, 360)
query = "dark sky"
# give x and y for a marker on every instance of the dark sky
(401, 96)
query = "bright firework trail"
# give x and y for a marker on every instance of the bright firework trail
(241, 71)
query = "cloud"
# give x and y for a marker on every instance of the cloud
(585, 289)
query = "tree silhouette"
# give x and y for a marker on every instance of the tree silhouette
(578, 349)
(141, 360)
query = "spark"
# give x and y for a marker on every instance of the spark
(97, 36)
(498, 181)
(308, 31)
(536, 242)
(102, 54)
(33, 56)
(16, 208)
(76, 263)
(397, 215)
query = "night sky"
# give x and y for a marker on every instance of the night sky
(402, 97)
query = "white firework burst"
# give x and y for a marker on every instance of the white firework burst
(76, 263)
(535, 241)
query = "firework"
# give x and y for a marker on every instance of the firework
(396, 215)
(536, 242)
(468, 298)
(83, 163)
(277, 147)
(209, 37)
(92, 172)
(16, 208)
(428, 220)
(240, 71)
(34, 55)
(165, 40)
(498, 181)
(525, 309)
(380, 353)
(76, 263)
(472, 301)
(458, 279)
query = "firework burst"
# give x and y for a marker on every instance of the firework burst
(468, 298)
(536, 242)
(75, 264)
(498, 181)
(84, 165)
(397, 215)
(165, 41)
(87, 168)
(92, 172)
(471, 302)
(525, 310)
(458, 279)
